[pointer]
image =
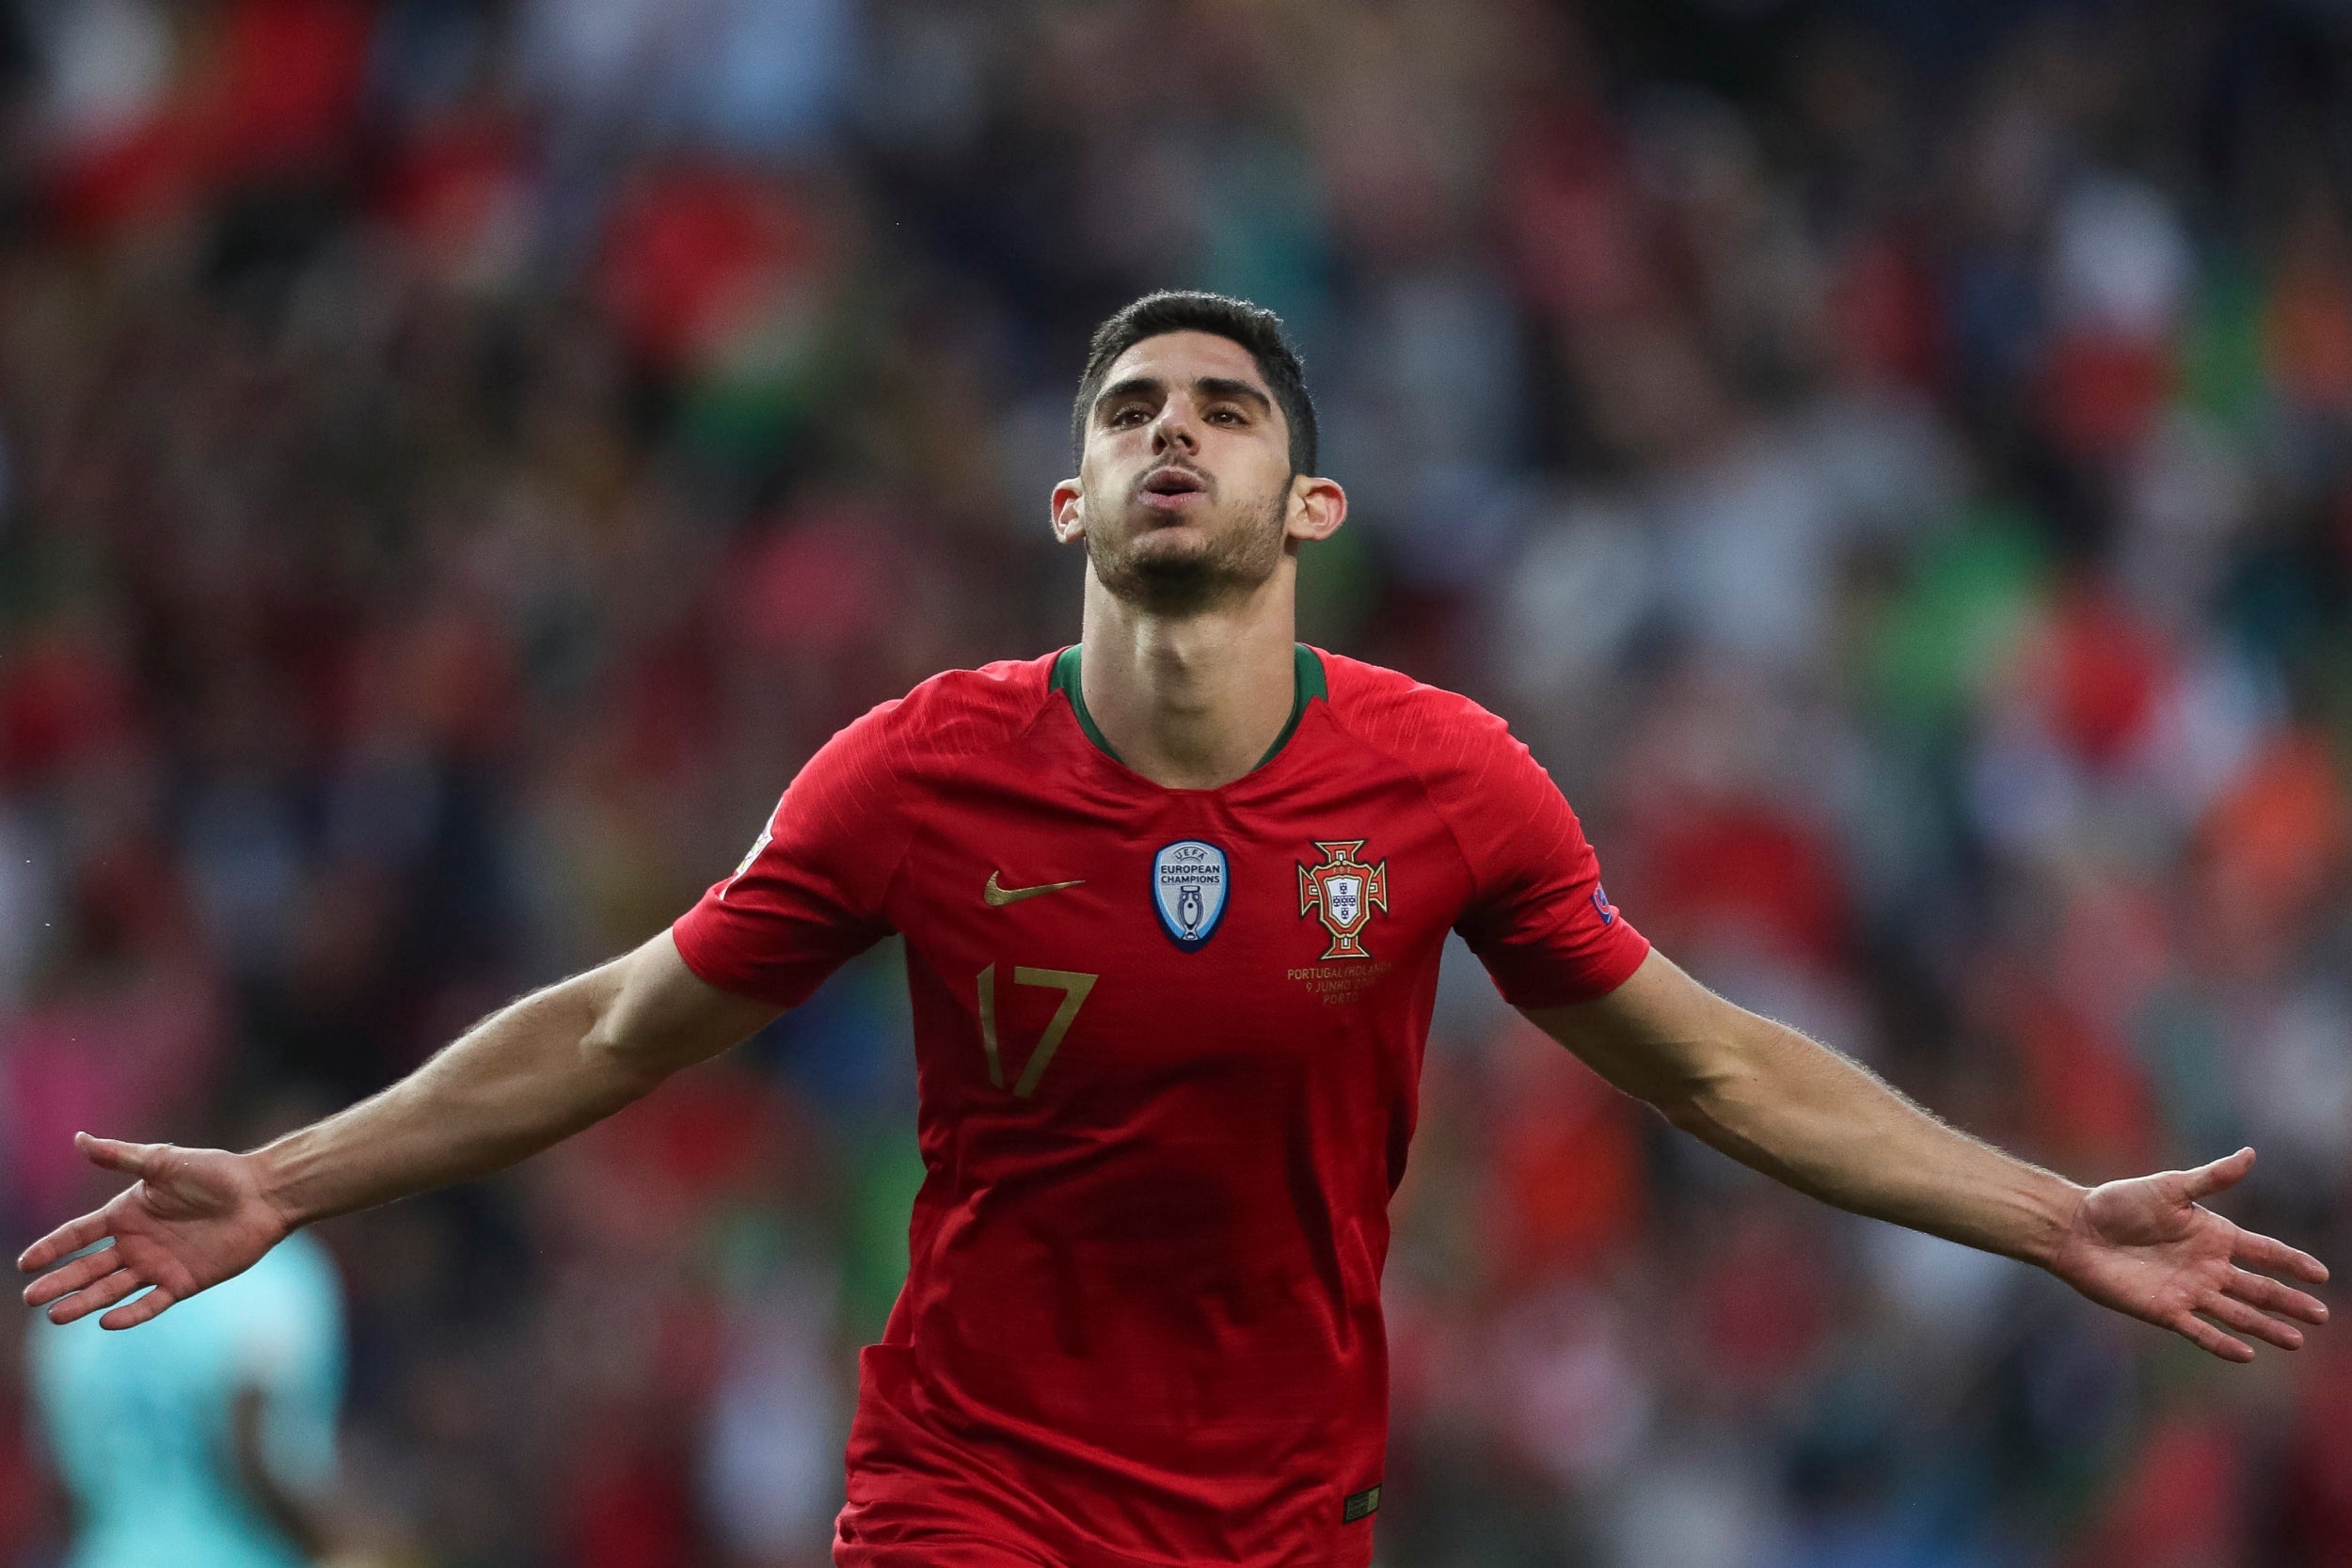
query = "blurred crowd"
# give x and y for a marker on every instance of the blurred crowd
(1892, 460)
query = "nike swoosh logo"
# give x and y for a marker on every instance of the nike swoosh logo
(999, 897)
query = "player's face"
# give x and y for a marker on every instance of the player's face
(1185, 496)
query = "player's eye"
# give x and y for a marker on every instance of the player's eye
(1126, 415)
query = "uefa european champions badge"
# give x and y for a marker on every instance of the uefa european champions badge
(1189, 884)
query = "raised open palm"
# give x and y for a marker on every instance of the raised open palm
(192, 1218)
(2148, 1246)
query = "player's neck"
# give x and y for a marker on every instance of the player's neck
(1196, 701)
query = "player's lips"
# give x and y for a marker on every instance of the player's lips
(1172, 489)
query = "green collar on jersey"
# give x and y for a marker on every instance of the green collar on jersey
(1309, 683)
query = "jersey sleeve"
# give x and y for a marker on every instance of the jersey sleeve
(1537, 918)
(808, 897)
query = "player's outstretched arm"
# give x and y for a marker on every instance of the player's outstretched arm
(529, 1076)
(1797, 1111)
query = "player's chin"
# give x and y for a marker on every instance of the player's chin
(1166, 573)
(1146, 521)
(1171, 537)
(1175, 545)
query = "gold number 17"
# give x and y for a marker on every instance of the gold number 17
(1073, 986)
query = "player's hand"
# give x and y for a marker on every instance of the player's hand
(194, 1217)
(2149, 1247)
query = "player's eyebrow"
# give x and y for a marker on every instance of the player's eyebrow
(1240, 392)
(1132, 386)
(1207, 386)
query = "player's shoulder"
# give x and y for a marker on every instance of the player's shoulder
(1420, 724)
(961, 712)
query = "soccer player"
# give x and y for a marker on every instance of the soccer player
(1173, 900)
(208, 1442)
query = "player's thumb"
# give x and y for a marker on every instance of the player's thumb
(112, 1154)
(2221, 1173)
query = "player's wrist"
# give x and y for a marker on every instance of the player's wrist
(275, 1171)
(2053, 1206)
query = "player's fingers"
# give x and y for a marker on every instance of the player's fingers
(2206, 1337)
(2218, 1176)
(72, 1277)
(73, 1236)
(132, 1314)
(82, 1302)
(130, 1159)
(2271, 1296)
(2251, 1250)
(2233, 1313)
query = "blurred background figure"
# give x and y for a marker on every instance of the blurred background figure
(1892, 460)
(212, 1445)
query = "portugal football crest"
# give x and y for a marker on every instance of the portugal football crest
(1188, 885)
(1345, 892)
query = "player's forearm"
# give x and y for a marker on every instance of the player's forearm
(1826, 1126)
(528, 1076)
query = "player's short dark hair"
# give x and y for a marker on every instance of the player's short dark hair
(1253, 327)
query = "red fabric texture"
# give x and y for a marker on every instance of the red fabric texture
(1142, 1319)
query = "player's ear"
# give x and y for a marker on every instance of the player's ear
(1068, 512)
(1318, 507)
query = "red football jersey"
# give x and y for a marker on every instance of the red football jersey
(1167, 1046)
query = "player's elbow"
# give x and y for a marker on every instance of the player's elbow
(620, 1051)
(623, 1062)
(1740, 1088)
(651, 1015)
(1698, 1102)
(1716, 1080)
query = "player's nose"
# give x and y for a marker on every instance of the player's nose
(1174, 428)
